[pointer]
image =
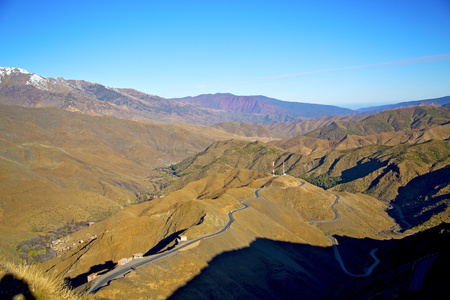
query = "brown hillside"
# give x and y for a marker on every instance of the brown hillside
(414, 177)
(281, 130)
(316, 148)
(280, 216)
(384, 165)
(58, 166)
(387, 121)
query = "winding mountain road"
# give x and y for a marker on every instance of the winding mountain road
(420, 270)
(336, 216)
(337, 255)
(121, 271)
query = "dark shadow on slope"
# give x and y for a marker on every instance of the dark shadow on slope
(422, 197)
(391, 168)
(269, 269)
(166, 243)
(362, 170)
(359, 171)
(11, 287)
(355, 253)
(265, 270)
(82, 278)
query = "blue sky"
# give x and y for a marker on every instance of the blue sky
(347, 53)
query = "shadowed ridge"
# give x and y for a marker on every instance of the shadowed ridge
(267, 269)
(423, 197)
(270, 269)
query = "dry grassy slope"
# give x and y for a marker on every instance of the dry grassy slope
(302, 154)
(391, 172)
(384, 165)
(359, 216)
(407, 136)
(317, 148)
(196, 210)
(381, 170)
(270, 242)
(19, 281)
(224, 156)
(282, 130)
(58, 166)
(387, 121)
(412, 176)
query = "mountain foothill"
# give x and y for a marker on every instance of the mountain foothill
(358, 200)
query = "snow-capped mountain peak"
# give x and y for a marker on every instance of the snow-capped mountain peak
(8, 71)
(35, 80)
(38, 81)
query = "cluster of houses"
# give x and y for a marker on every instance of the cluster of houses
(60, 245)
(124, 261)
(64, 244)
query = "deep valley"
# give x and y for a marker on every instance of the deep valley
(238, 198)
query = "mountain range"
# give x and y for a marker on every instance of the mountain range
(425, 102)
(20, 87)
(365, 198)
(264, 105)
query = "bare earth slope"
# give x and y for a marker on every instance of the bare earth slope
(58, 166)
(278, 244)
(406, 165)
(282, 130)
(387, 121)
(276, 248)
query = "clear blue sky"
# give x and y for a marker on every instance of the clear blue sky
(347, 53)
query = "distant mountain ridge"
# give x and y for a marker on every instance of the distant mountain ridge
(386, 121)
(264, 105)
(20, 87)
(425, 102)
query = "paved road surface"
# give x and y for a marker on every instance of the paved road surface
(121, 271)
(337, 255)
(420, 272)
(339, 259)
(336, 216)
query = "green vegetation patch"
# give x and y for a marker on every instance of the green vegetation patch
(324, 181)
(252, 148)
(430, 152)
(38, 249)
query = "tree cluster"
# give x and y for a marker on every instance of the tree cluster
(38, 249)
(324, 181)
